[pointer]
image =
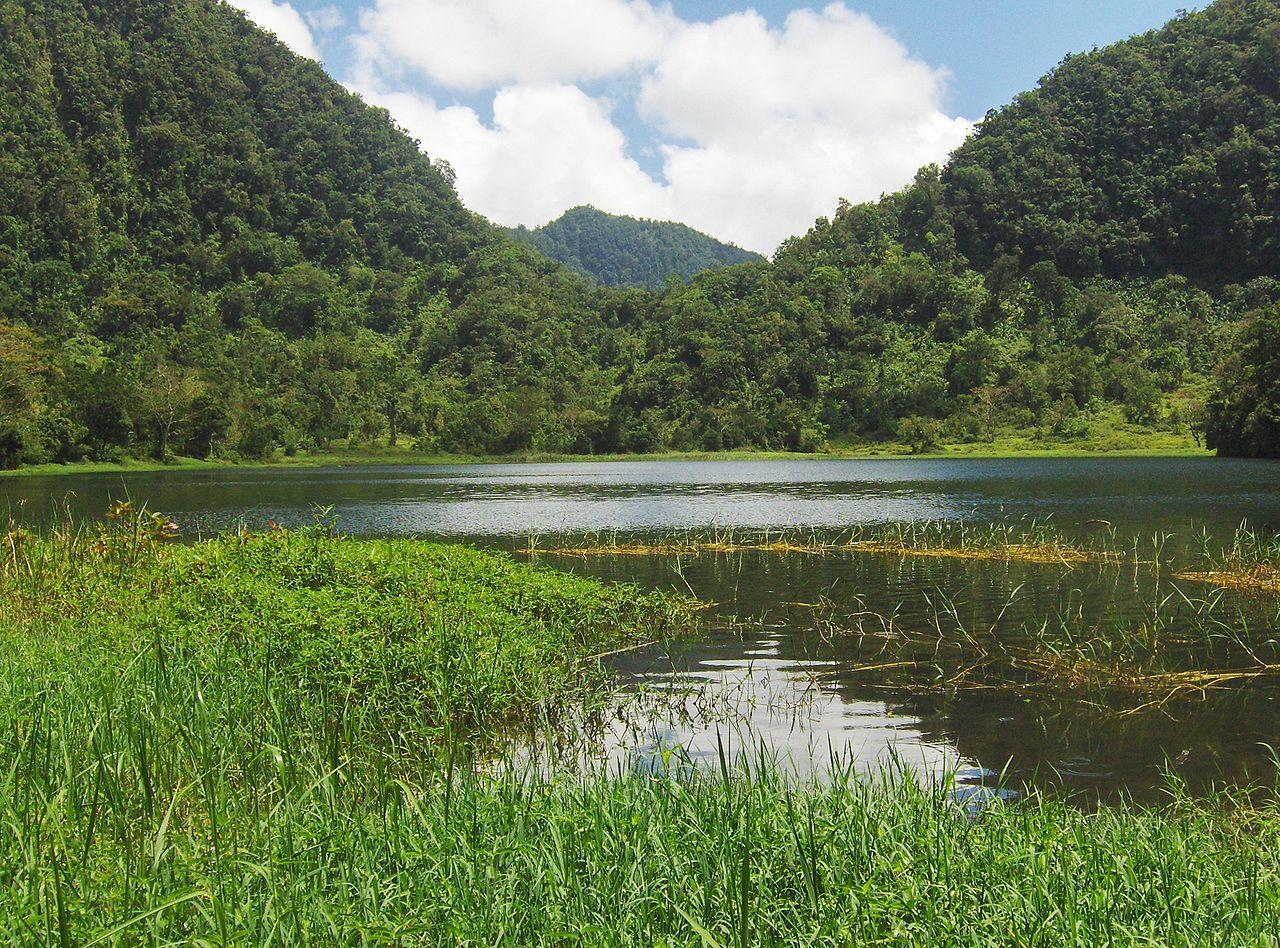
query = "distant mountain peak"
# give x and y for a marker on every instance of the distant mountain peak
(616, 250)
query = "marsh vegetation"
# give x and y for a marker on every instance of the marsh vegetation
(291, 736)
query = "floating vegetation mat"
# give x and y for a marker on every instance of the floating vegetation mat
(1049, 554)
(1026, 542)
(1250, 560)
(1265, 578)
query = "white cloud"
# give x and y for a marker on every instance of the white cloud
(282, 20)
(548, 148)
(326, 19)
(762, 129)
(781, 123)
(483, 44)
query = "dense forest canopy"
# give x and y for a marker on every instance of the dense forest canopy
(208, 247)
(1156, 155)
(625, 251)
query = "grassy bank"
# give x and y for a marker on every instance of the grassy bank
(1135, 443)
(263, 740)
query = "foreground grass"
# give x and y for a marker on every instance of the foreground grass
(262, 740)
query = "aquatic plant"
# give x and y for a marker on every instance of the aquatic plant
(1250, 560)
(1181, 648)
(1029, 541)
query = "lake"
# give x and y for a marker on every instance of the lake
(779, 670)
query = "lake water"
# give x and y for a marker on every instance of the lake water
(780, 669)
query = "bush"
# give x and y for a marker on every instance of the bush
(11, 447)
(920, 434)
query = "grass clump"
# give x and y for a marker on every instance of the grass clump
(411, 637)
(165, 708)
(1024, 541)
(1250, 560)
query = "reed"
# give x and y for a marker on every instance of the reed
(1028, 541)
(1182, 648)
(1249, 560)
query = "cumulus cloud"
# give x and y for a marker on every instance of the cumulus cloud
(282, 20)
(548, 147)
(484, 44)
(760, 129)
(784, 122)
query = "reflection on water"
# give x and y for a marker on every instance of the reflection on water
(512, 499)
(777, 675)
(774, 675)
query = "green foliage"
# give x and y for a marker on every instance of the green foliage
(208, 248)
(1245, 413)
(625, 251)
(1154, 155)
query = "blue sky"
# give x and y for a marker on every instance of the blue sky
(747, 120)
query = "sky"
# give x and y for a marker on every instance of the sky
(747, 120)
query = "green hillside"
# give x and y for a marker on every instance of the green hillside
(1161, 154)
(210, 248)
(625, 251)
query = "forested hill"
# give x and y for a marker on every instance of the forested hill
(210, 248)
(626, 251)
(1157, 155)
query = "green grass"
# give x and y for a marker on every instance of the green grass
(755, 858)
(1128, 441)
(287, 738)
(1120, 440)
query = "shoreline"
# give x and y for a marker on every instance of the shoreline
(389, 458)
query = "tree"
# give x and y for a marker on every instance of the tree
(987, 403)
(389, 378)
(24, 367)
(169, 395)
(1244, 414)
(24, 372)
(920, 434)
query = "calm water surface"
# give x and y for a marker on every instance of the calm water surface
(774, 673)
